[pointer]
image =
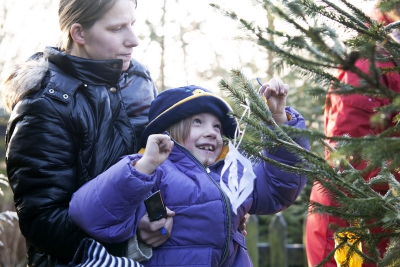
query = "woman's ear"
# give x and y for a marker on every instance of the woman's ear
(77, 33)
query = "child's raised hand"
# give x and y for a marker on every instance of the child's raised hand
(157, 151)
(275, 92)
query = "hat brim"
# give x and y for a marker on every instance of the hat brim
(195, 104)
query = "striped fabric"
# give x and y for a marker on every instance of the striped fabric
(92, 254)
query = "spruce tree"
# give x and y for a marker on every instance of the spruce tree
(328, 35)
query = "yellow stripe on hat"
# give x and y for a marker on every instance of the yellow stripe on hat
(196, 93)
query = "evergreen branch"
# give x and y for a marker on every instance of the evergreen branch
(288, 168)
(392, 26)
(371, 80)
(374, 81)
(298, 61)
(387, 5)
(365, 139)
(255, 101)
(323, 170)
(287, 54)
(370, 31)
(395, 69)
(358, 12)
(302, 62)
(311, 53)
(359, 25)
(310, 65)
(310, 32)
(265, 115)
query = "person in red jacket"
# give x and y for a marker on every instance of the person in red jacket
(351, 115)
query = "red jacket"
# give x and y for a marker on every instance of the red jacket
(350, 115)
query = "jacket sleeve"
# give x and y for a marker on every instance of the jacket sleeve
(40, 156)
(109, 207)
(275, 189)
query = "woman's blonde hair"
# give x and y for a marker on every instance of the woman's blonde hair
(84, 12)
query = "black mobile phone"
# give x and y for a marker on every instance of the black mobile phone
(155, 206)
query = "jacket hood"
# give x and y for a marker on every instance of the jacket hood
(24, 78)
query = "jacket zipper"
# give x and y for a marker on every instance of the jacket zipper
(224, 196)
(125, 77)
(228, 212)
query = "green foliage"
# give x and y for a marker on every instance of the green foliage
(325, 36)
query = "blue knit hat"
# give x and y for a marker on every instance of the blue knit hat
(176, 104)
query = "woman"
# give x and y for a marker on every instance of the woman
(75, 110)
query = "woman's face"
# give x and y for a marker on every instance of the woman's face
(112, 37)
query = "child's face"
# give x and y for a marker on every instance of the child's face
(205, 140)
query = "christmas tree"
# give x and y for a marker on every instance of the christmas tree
(326, 36)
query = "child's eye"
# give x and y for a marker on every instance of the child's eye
(117, 29)
(218, 126)
(196, 121)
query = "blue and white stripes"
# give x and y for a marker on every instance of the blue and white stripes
(92, 254)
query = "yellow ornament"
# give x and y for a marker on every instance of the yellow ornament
(341, 254)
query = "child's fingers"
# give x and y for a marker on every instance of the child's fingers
(286, 88)
(274, 87)
(166, 144)
(278, 87)
(163, 142)
(271, 89)
(275, 83)
(266, 91)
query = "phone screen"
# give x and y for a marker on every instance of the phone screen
(155, 206)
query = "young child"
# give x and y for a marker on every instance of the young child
(183, 158)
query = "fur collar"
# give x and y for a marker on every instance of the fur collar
(24, 78)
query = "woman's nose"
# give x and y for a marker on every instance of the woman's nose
(131, 39)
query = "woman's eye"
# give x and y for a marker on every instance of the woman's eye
(196, 121)
(117, 29)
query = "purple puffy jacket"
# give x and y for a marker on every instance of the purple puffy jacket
(205, 230)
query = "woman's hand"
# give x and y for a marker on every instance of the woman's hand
(149, 232)
(275, 92)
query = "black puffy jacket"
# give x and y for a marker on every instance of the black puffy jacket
(71, 119)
